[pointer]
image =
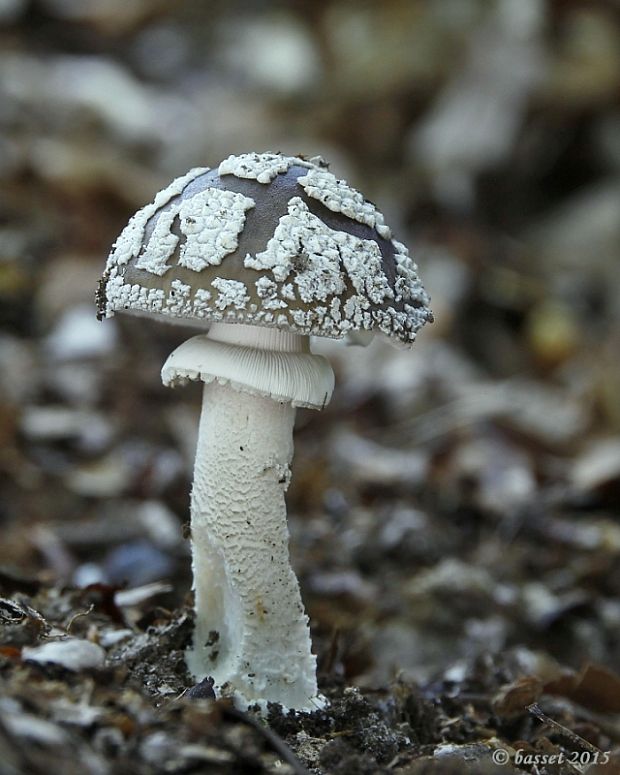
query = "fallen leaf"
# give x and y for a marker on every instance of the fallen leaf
(513, 698)
(596, 687)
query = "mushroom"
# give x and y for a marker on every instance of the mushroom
(262, 252)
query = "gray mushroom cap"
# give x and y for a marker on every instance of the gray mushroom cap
(267, 240)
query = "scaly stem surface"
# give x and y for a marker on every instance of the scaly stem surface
(251, 634)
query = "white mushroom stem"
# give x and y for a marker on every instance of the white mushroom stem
(252, 635)
(251, 630)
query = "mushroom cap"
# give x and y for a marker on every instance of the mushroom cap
(267, 240)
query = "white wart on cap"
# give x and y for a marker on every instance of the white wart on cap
(266, 240)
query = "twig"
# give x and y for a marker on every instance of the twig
(89, 610)
(535, 710)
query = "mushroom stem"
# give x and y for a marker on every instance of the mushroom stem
(252, 635)
(251, 630)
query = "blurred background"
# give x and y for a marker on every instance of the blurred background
(454, 500)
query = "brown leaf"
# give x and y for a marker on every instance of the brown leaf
(10, 651)
(596, 687)
(512, 699)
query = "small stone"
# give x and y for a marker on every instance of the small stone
(203, 690)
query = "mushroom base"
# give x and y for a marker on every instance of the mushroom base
(252, 635)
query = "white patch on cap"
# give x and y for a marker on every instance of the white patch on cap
(416, 316)
(364, 264)
(300, 244)
(316, 255)
(212, 221)
(288, 292)
(262, 167)
(124, 296)
(334, 310)
(128, 245)
(201, 303)
(179, 302)
(356, 310)
(267, 291)
(161, 244)
(232, 293)
(407, 286)
(339, 197)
